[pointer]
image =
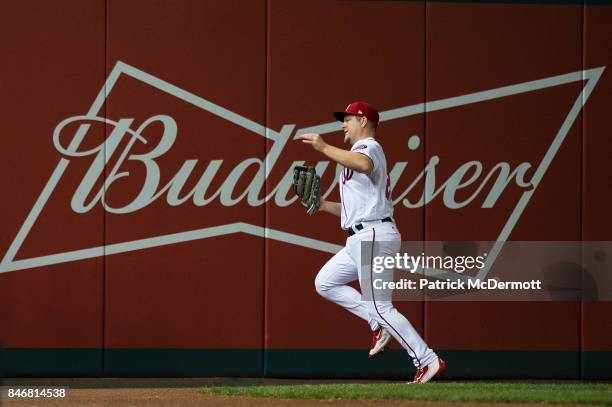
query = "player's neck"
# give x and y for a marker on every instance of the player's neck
(364, 135)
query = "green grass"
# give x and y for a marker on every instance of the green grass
(475, 392)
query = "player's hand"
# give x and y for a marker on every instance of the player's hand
(315, 140)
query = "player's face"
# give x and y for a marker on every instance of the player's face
(351, 127)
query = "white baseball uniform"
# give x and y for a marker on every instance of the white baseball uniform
(365, 200)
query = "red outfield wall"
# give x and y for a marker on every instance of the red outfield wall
(178, 249)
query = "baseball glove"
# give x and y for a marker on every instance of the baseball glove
(307, 186)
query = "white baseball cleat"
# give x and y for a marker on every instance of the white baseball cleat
(429, 372)
(380, 340)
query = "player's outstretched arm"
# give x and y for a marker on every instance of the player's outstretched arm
(330, 207)
(349, 159)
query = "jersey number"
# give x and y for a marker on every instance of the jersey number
(388, 187)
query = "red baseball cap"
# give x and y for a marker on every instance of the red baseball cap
(359, 109)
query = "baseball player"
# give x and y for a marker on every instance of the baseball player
(365, 212)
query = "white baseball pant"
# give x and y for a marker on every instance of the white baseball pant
(346, 266)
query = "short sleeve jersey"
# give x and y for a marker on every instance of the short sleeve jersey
(365, 197)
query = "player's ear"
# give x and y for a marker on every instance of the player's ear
(363, 121)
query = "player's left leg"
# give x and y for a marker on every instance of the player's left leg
(332, 283)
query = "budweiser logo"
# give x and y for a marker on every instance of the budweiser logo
(108, 157)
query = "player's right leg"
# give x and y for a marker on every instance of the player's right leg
(332, 284)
